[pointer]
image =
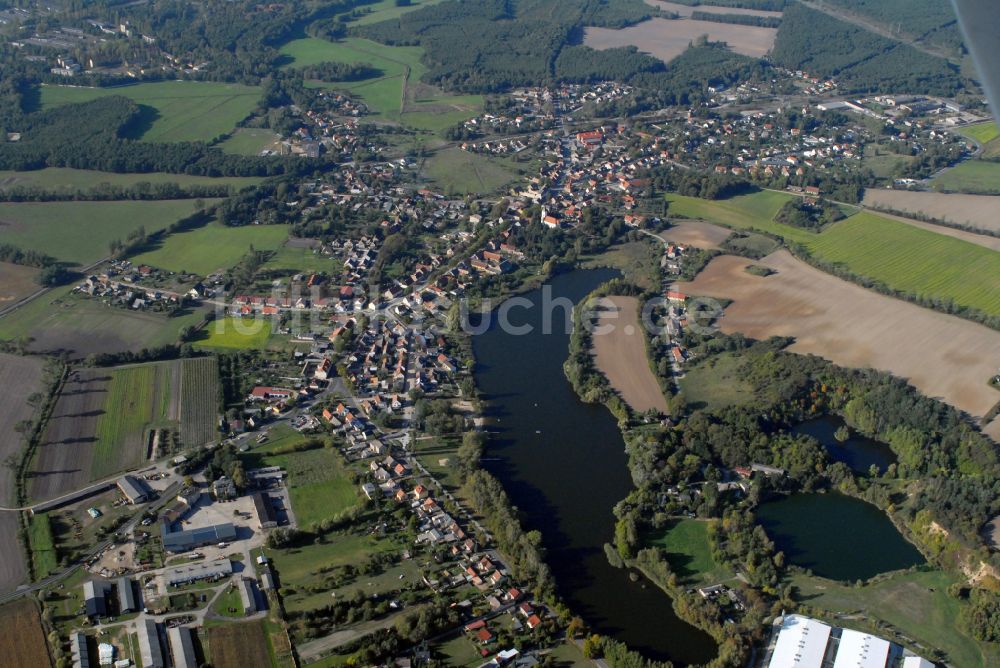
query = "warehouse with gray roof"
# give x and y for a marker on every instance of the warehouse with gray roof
(182, 647)
(195, 571)
(149, 644)
(189, 539)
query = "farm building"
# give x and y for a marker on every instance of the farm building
(266, 517)
(247, 596)
(126, 596)
(193, 572)
(266, 578)
(94, 597)
(134, 489)
(79, 650)
(189, 539)
(149, 644)
(182, 647)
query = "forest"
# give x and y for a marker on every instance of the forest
(860, 60)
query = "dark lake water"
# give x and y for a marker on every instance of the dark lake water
(858, 452)
(563, 464)
(837, 536)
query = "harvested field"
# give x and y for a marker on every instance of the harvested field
(237, 645)
(697, 234)
(943, 356)
(666, 39)
(686, 10)
(26, 374)
(978, 211)
(16, 283)
(620, 354)
(62, 462)
(23, 641)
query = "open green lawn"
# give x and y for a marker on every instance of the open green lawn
(172, 110)
(981, 132)
(211, 248)
(977, 177)
(917, 604)
(883, 162)
(318, 484)
(458, 652)
(460, 172)
(235, 333)
(43, 549)
(303, 260)
(298, 566)
(64, 178)
(715, 382)
(248, 141)
(902, 256)
(229, 603)
(426, 108)
(58, 320)
(685, 542)
(81, 232)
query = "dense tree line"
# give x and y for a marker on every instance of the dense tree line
(738, 19)
(762, 5)
(860, 60)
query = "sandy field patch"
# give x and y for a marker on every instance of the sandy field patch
(696, 233)
(976, 210)
(620, 355)
(666, 39)
(941, 355)
(25, 374)
(63, 461)
(686, 11)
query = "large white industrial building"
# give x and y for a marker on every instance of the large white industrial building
(802, 642)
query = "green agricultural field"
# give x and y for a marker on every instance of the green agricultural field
(248, 141)
(715, 382)
(901, 256)
(61, 321)
(425, 108)
(688, 551)
(235, 333)
(81, 232)
(211, 248)
(172, 110)
(139, 398)
(917, 604)
(384, 10)
(319, 486)
(303, 260)
(64, 178)
(976, 177)
(457, 171)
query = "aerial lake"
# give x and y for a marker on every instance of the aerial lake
(836, 536)
(563, 464)
(858, 452)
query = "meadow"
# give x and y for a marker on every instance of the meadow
(975, 177)
(301, 259)
(16, 282)
(902, 256)
(173, 111)
(687, 549)
(319, 486)
(235, 333)
(916, 604)
(459, 172)
(714, 383)
(248, 141)
(59, 321)
(982, 133)
(44, 559)
(81, 232)
(396, 95)
(68, 179)
(213, 247)
(385, 10)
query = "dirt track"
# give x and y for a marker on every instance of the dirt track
(620, 355)
(25, 374)
(943, 356)
(696, 233)
(62, 463)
